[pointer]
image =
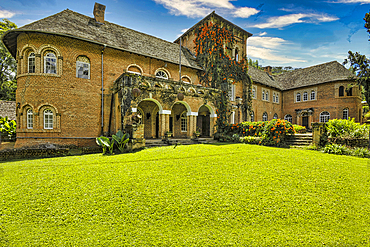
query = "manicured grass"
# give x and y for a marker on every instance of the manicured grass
(199, 195)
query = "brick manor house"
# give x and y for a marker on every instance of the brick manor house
(78, 78)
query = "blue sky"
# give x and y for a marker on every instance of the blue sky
(285, 32)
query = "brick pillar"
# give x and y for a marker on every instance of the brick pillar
(164, 122)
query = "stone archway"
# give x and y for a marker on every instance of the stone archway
(150, 110)
(204, 121)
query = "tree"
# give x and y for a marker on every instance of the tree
(360, 66)
(8, 66)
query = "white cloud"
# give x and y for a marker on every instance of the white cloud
(266, 42)
(286, 20)
(268, 55)
(245, 12)
(200, 8)
(182, 32)
(6, 14)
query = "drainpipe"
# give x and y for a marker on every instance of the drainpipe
(180, 61)
(102, 90)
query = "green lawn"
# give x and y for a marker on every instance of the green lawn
(199, 195)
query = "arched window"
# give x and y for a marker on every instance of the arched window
(185, 79)
(349, 92)
(341, 91)
(48, 119)
(134, 70)
(236, 54)
(31, 63)
(184, 122)
(288, 118)
(29, 119)
(252, 116)
(275, 116)
(298, 98)
(83, 67)
(345, 113)
(324, 117)
(313, 95)
(305, 96)
(161, 74)
(50, 63)
(264, 116)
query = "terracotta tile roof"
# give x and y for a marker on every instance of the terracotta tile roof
(73, 24)
(322, 73)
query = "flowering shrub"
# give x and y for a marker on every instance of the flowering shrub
(272, 133)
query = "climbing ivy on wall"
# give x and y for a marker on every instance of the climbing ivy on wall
(213, 46)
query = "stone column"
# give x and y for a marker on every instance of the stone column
(317, 131)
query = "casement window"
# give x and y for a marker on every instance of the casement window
(267, 96)
(31, 63)
(275, 116)
(324, 117)
(263, 94)
(83, 67)
(277, 98)
(298, 97)
(345, 113)
(29, 119)
(48, 119)
(341, 91)
(253, 93)
(236, 54)
(232, 92)
(313, 95)
(161, 74)
(288, 118)
(264, 116)
(184, 122)
(252, 116)
(349, 92)
(50, 63)
(305, 96)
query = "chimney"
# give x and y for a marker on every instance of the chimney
(268, 69)
(99, 11)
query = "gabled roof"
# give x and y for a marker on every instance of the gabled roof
(72, 24)
(318, 74)
(264, 78)
(213, 16)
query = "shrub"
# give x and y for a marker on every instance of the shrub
(299, 128)
(342, 128)
(8, 127)
(361, 152)
(251, 140)
(337, 149)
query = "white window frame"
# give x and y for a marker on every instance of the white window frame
(267, 95)
(288, 118)
(31, 62)
(84, 66)
(184, 122)
(298, 97)
(161, 74)
(345, 113)
(29, 119)
(277, 98)
(305, 96)
(254, 93)
(263, 94)
(232, 92)
(52, 67)
(48, 119)
(313, 95)
(264, 116)
(273, 97)
(324, 117)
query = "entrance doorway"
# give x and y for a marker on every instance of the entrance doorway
(305, 121)
(203, 121)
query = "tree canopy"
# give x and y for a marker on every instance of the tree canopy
(8, 66)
